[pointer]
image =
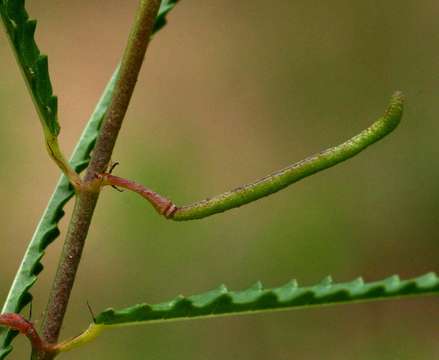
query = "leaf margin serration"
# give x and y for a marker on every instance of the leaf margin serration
(33, 64)
(223, 302)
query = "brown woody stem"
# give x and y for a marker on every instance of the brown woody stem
(88, 193)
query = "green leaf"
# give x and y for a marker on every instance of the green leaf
(33, 64)
(165, 7)
(256, 299)
(222, 302)
(47, 230)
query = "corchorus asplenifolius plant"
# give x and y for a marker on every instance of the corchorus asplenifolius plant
(90, 169)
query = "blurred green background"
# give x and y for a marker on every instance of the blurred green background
(231, 91)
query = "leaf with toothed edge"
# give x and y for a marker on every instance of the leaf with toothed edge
(256, 299)
(165, 7)
(47, 230)
(222, 302)
(33, 64)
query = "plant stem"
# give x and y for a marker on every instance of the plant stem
(130, 66)
(161, 204)
(69, 261)
(57, 156)
(89, 191)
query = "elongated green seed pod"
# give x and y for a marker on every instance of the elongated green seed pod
(295, 172)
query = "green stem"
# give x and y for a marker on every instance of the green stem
(57, 156)
(275, 181)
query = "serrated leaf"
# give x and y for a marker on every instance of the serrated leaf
(256, 299)
(33, 64)
(222, 302)
(165, 7)
(47, 230)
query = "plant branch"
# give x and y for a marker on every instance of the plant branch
(89, 191)
(161, 204)
(57, 156)
(273, 182)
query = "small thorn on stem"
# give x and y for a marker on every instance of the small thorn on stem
(30, 310)
(91, 312)
(116, 188)
(112, 166)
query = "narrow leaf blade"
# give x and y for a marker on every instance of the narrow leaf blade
(33, 64)
(222, 302)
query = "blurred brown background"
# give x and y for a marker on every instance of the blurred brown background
(230, 91)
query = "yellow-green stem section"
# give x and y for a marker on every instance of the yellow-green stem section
(93, 331)
(56, 154)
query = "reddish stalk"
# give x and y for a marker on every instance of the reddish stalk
(161, 204)
(25, 327)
